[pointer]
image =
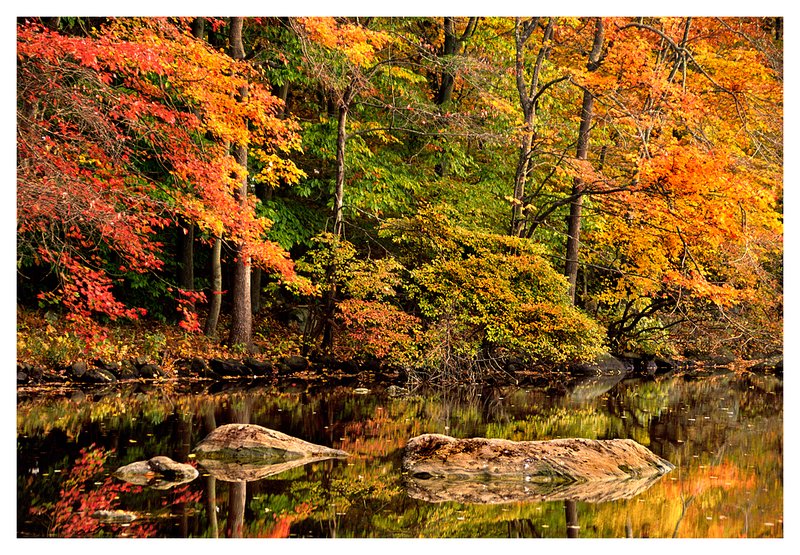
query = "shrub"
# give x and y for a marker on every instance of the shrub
(488, 297)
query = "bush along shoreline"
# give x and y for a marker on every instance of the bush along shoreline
(293, 367)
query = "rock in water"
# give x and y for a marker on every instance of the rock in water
(249, 442)
(158, 473)
(566, 460)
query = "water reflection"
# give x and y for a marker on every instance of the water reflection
(723, 433)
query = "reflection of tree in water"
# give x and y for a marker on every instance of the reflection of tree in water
(719, 403)
(657, 414)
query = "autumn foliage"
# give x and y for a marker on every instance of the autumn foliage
(416, 141)
(119, 133)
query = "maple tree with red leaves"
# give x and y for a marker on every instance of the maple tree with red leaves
(118, 134)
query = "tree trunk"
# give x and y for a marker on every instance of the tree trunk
(199, 27)
(237, 495)
(329, 301)
(185, 248)
(241, 329)
(520, 177)
(216, 288)
(453, 46)
(576, 207)
(528, 94)
(341, 139)
(264, 194)
(571, 514)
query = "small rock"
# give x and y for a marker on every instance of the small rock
(199, 367)
(77, 370)
(229, 367)
(159, 473)
(32, 373)
(605, 365)
(151, 371)
(138, 362)
(98, 375)
(253, 442)
(396, 391)
(772, 364)
(114, 516)
(127, 371)
(105, 365)
(259, 367)
(22, 377)
(296, 362)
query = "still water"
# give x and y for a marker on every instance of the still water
(723, 433)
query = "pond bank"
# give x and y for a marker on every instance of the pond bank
(296, 367)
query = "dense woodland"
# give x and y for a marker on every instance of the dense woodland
(451, 195)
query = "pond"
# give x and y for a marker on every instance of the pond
(723, 432)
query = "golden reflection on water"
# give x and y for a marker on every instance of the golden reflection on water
(723, 433)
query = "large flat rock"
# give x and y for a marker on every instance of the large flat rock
(558, 460)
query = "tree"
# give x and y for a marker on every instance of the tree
(528, 97)
(135, 121)
(343, 55)
(576, 206)
(241, 328)
(689, 231)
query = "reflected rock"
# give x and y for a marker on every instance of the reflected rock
(157, 473)
(604, 365)
(486, 491)
(236, 471)
(593, 387)
(481, 470)
(114, 516)
(251, 446)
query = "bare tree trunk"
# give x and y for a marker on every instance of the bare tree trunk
(216, 288)
(341, 140)
(528, 96)
(574, 221)
(241, 329)
(329, 301)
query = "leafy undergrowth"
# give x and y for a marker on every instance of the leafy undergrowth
(45, 340)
